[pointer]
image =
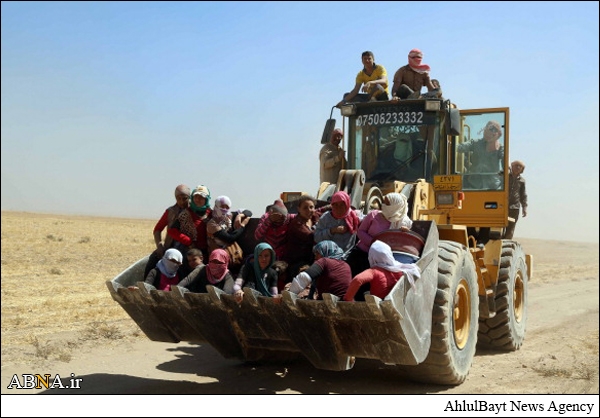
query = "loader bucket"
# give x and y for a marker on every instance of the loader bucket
(330, 333)
(138, 304)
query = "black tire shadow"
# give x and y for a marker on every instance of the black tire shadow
(489, 351)
(234, 377)
(119, 384)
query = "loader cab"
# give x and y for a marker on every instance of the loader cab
(480, 155)
(414, 146)
(395, 141)
(400, 146)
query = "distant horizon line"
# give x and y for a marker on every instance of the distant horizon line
(48, 214)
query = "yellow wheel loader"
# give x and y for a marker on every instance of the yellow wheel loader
(473, 284)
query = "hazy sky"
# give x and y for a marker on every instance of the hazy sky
(107, 106)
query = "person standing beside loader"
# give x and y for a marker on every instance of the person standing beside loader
(517, 196)
(331, 158)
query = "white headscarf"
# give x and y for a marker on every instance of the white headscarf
(166, 266)
(396, 210)
(221, 214)
(380, 255)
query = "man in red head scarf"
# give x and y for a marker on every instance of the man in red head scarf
(409, 79)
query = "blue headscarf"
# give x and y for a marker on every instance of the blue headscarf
(329, 249)
(259, 274)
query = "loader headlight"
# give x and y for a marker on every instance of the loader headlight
(348, 110)
(444, 198)
(432, 105)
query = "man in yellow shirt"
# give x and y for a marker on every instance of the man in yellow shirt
(372, 78)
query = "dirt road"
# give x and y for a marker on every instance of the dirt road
(559, 356)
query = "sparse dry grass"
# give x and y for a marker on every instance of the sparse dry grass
(583, 366)
(99, 330)
(54, 270)
(55, 300)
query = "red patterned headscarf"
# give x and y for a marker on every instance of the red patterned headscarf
(414, 61)
(215, 272)
(351, 217)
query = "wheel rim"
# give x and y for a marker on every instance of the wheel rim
(374, 199)
(374, 203)
(518, 297)
(461, 314)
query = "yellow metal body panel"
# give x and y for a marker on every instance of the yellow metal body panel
(529, 263)
(491, 258)
(457, 233)
(447, 183)
(482, 209)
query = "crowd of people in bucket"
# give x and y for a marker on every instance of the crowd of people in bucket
(315, 251)
(331, 249)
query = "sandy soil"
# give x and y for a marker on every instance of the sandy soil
(559, 355)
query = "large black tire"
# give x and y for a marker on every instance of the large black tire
(454, 320)
(506, 330)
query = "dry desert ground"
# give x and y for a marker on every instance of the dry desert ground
(58, 317)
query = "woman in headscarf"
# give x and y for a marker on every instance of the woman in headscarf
(273, 226)
(383, 274)
(328, 274)
(166, 274)
(166, 221)
(409, 79)
(222, 230)
(393, 215)
(257, 273)
(190, 228)
(215, 273)
(340, 224)
(301, 235)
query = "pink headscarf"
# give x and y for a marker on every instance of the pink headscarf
(351, 217)
(216, 272)
(414, 61)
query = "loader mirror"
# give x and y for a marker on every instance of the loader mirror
(453, 122)
(329, 127)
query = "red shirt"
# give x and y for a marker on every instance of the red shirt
(382, 281)
(300, 241)
(167, 282)
(332, 276)
(200, 226)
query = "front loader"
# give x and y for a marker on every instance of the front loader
(470, 292)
